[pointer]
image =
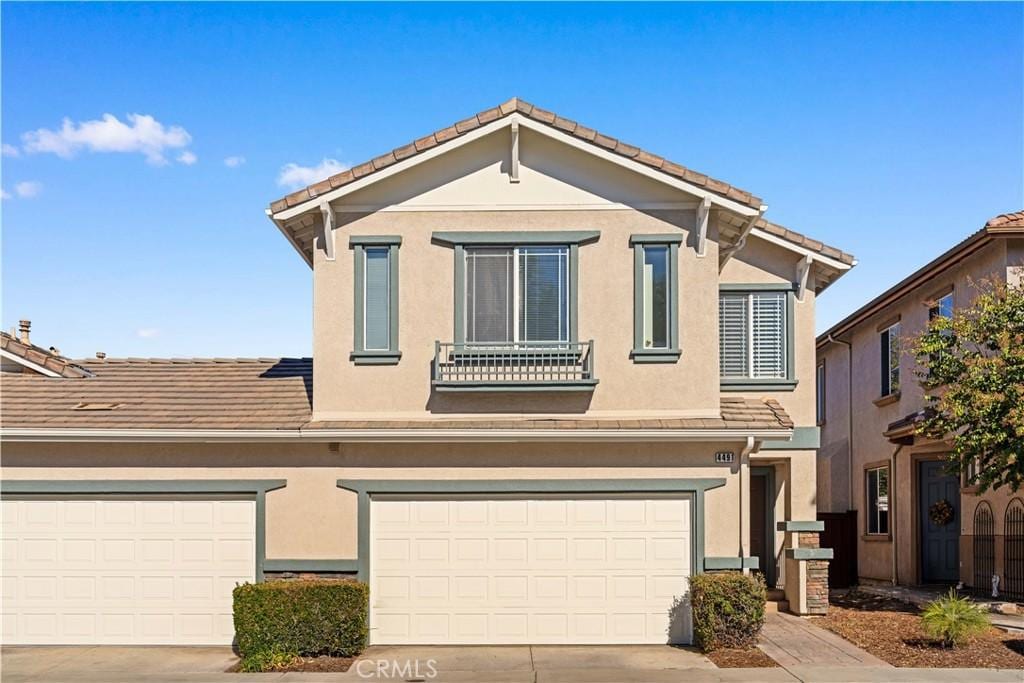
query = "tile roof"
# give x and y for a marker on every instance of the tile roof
(51, 360)
(1007, 220)
(517, 105)
(267, 394)
(1002, 226)
(132, 393)
(737, 222)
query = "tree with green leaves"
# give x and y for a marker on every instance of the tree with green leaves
(971, 366)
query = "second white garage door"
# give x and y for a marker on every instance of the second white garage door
(555, 570)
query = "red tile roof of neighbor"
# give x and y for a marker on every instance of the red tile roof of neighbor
(579, 131)
(264, 394)
(1004, 225)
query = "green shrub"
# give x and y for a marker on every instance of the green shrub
(728, 609)
(305, 617)
(953, 619)
(267, 660)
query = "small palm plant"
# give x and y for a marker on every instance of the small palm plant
(954, 619)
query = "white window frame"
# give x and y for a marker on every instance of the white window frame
(875, 514)
(751, 382)
(892, 335)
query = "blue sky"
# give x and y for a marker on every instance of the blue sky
(889, 130)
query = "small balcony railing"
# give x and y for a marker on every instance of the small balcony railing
(529, 366)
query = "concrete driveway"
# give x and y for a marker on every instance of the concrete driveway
(436, 664)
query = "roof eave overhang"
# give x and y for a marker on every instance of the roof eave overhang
(14, 434)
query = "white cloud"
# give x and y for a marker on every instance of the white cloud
(10, 150)
(295, 176)
(4, 194)
(28, 189)
(142, 134)
(187, 158)
(234, 162)
(147, 332)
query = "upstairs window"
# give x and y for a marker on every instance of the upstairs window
(942, 308)
(655, 298)
(889, 344)
(517, 294)
(375, 275)
(754, 337)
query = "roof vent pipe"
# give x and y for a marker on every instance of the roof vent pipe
(101, 355)
(23, 328)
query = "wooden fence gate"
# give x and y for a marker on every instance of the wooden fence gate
(840, 534)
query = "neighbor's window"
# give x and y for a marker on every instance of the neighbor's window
(890, 348)
(376, 299)
(752, 334)
(819, 377)
(878, 500)
(943, 307)
(517, 294)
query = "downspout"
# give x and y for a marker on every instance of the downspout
(849, 408)
(892, 515)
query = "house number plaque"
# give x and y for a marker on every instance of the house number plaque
(725, 457)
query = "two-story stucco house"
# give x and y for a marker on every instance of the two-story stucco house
(553, 376)
(871, 459)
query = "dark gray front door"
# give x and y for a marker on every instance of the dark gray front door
(940, 545)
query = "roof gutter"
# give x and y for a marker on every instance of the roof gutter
(16, 434)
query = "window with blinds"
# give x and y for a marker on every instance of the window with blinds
(377, 299)
(752, 335)
(517, 294)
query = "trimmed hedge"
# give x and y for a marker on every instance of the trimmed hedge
(728, 609)
(307, 617)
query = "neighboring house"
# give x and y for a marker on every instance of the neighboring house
(871, 459)
(553, 376)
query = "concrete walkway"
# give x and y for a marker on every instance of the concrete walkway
(792, 641)
(510, 664)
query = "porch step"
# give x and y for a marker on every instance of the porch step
(776, 606)
(776, 594)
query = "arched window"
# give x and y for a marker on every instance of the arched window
(984, 548)
(1013, 550)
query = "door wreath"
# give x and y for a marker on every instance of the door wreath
(941, 512)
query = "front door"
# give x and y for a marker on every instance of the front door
(940, 543)
(758, 523)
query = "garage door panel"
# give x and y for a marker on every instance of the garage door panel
(552, 569)
(122, 571)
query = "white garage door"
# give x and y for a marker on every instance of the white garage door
(148, 571)
(538, 570)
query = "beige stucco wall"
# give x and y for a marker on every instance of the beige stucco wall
(870, 421)
(560, 188)
(311, 518)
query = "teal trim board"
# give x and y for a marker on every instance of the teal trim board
(210, 487)
(515, 238)
(804, 438)
(365, 489)
(734, 563)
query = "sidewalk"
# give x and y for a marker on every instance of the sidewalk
(507, 664)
